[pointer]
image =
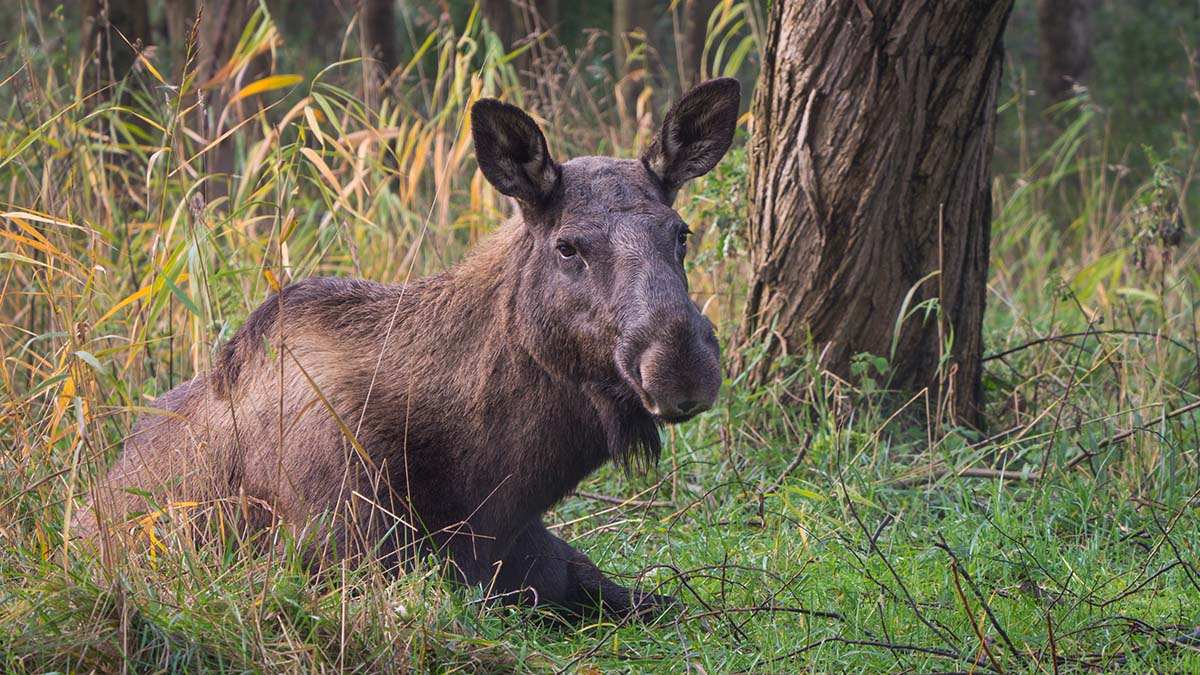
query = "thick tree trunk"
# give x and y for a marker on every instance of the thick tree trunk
(221, 25)
(870, 168)
(1064, 28)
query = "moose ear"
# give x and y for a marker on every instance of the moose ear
(512, 152)
(695, 134)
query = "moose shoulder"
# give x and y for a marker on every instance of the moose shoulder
(448, 414)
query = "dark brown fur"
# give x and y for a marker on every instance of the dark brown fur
(476, 398)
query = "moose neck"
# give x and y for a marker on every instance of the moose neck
(515, 368)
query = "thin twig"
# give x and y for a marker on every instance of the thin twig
(983, 472)
(764, 610)
(1072, 378)
(1071, 463)
(622, 501)
(800, 455)
(959, 568)
(1067, 336)
(893, 646)
(1053, 643)
(971, 617)
(874, 548)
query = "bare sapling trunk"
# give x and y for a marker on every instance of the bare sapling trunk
(1064, 33)
(113, 31)
(377, 21)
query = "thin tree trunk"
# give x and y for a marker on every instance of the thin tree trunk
(630, 17)
(623, 13)
(1066, 44)
(220, 27)
(548, 11)
(870, 168)
(694, 31)
(181, 16)
(109, 28)
(516, 20)
(377, 20)
(502, 19)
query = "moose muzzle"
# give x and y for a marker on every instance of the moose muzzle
(673, 362)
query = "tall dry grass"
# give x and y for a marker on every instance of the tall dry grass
(129, 257)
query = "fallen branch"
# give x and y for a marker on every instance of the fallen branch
(890, 646)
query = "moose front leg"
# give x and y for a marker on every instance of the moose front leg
(542, 568)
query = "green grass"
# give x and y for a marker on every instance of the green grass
(891, 545)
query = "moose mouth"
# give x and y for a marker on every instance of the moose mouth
(671, 419)
(663, 413)
(670, 414)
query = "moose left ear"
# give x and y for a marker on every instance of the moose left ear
(695, 134)
(512, 152)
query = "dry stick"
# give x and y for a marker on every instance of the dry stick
(626, 620)
(1066, 395)
(769, 609)
(1195, 336)
(892, 646)
(957, 566)
(800, 455)
(1074, 461)
(982, 472)
(883, 525)
(1053, 643)
(1166, 538)
(1189, 641)
(874, 548)
(971, 617)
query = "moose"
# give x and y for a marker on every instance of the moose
(444, 416)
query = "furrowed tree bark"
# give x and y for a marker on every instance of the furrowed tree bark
(870, 165)
(1064, 32)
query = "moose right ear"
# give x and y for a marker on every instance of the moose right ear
(695, 134)
(512, 152)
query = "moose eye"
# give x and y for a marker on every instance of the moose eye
(566, 250)
(683, 236)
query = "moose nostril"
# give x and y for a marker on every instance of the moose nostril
(687, 406)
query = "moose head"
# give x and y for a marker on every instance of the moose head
(602, 279)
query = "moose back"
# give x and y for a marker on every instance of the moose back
(448, 414)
